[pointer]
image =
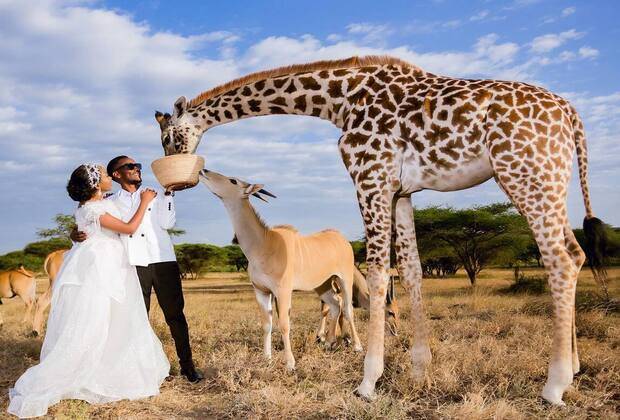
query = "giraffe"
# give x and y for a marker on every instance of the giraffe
(405, 130)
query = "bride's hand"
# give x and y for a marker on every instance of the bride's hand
(147, 195)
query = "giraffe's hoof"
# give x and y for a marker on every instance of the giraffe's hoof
(358, 348)
(366, 392)
(320, 339)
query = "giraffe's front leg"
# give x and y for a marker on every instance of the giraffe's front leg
(376, 211)
(410, 272)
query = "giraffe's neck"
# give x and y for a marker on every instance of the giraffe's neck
(323, 94)
(251, 232)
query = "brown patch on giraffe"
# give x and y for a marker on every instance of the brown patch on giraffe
(373, 85)
(260, 85)
(385, 124)
(334, 89)
(373, 111)
(506, 128)
(309, 83)
(291, 87)
(501, 147)
(278, 83)
(280, 101)
(353, 82)
(418, 119)
(385, 102)
(437, 133)
(355, 139)
(460, 114)
(276, 110)
(300, 103)
(239, 110)
(254, 105)
(319, 100)
(397, 93)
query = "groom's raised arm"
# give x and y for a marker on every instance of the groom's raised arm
(166, 213)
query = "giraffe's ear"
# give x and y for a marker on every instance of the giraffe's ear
(162, 119)
(180, 106)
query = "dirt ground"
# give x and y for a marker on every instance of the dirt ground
(490, 353)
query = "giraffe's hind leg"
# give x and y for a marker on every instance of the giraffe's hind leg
(410, 271)
(578, 257)
(541, 198)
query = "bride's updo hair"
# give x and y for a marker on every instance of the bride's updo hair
(84, 182)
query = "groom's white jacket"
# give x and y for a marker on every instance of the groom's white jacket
(151, 242)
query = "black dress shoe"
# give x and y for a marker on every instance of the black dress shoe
(192, 375)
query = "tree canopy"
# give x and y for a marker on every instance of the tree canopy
(476, 236)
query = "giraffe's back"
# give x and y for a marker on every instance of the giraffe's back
(444, 131)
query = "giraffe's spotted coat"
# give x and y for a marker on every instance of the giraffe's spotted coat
(405, 130)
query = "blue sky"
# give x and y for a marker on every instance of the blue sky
(79, 81)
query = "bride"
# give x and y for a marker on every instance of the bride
(99, 346)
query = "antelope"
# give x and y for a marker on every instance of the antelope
(51, 266)
(19, 282)
(281, 260)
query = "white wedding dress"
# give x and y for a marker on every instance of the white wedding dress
(99, 346)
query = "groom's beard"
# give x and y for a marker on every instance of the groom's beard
(136, 182)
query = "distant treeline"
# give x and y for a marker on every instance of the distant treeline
(448, 239)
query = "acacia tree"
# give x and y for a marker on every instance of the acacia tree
(236, 258)
(64, 225)
(476, 235)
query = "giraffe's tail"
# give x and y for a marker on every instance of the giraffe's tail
(593, 228)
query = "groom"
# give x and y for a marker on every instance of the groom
(150, 250)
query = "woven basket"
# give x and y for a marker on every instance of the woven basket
(178, 172)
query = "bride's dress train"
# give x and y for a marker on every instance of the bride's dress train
(99, 346)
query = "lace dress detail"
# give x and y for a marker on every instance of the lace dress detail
(99, 345)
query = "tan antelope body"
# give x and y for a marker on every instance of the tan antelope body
(281, 260)
(19, 282)
(51, 266)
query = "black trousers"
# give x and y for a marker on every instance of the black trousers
(165, 278)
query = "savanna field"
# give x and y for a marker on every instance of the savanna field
(490, 352)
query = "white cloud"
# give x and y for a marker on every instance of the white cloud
(588, 52)
(548, 42)
(568, 11)
(371, 33)
(479, 16)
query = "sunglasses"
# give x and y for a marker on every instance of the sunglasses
(130, 167)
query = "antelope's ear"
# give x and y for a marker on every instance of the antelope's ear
(180, 106)
(253, 188)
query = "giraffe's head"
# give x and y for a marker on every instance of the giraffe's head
(180, 132)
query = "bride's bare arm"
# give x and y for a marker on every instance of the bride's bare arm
(110, 222)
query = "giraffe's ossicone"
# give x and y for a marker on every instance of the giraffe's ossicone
(405, 130)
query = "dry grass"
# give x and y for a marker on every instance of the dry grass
(490, 354)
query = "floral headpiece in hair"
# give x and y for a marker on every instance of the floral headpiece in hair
(94, 174)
